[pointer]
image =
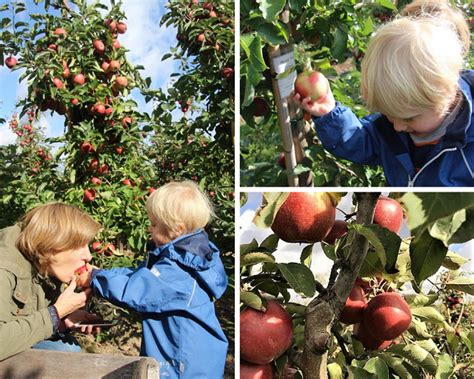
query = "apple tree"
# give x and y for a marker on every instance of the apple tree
(327, 36)
(390, 306)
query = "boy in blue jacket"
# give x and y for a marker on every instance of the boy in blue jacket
(422, 133)
(175, 288)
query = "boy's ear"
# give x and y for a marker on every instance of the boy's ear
(179, 230)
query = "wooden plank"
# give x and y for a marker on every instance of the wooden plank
(48, 364)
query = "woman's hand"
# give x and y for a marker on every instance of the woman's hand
(70, 301)
(71, 321)
(316, 108)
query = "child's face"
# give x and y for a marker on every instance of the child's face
(158, 231)
(420, 125)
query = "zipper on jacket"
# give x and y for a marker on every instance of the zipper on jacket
(411, 183)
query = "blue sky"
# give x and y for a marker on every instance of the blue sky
(146, 41)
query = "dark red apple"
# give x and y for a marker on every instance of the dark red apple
(265, 336)
(89, 195)
(253, 371)
(368, 341)
(338, 230)
(282, 160)
(305, 217)
(387, 316)
(388, 214)
(259, 107)
(11, 62)
(312, 84)
(87, 147)
(354, 307)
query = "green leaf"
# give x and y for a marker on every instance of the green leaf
(416, 355)
(252, 300)
(250, 259)
(273, 34)
(360, 373)
(299, 277)
(251, 44)
(335, 371)
(425, 208)
(270, 243)
(377, 366)
(421, 299)
(466, 231)
(454, 261)
(271, 9)
(306, 255)
(427, 255)
(418, 329)
(265, 215)
(247, 248)
(339, 45)
(444, 228)
(462, 283)
(396, 364)
(445, 367)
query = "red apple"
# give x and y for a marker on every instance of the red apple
(368, 341)
(265, 336)
(119, 150)
(305, 217)
(116, 44)
(11, 62)
(201, 38)
(108, 249)
(96, 181)
(127, 182)
(121, 81)
(388, 214)
(58, 83)
(96, 246)
(212, 14)
(89, 195)
(99, 46)
(66, 73)
(253, 371)
(354, 307)
(312, 84)
(74, 101)
(105, 66)
(121, 28)
(112, 25)
(87, 147)
(94, 164)
(103, 169)
(99, 109)
(259, 107)
(79, 79)
(387, 316)
(127, 121)
(53, 47)
(227, 72)
(338, 230)
(81, 270)
(114, 65)
(282, 160)
(60, 31)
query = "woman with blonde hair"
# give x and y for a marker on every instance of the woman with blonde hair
(412, 76)
(37, 256)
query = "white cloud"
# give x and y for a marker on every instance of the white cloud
(7, 137)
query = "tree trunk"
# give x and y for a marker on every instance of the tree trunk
(326, 308)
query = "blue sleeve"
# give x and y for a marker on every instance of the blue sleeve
(143, 290)
(347, 137)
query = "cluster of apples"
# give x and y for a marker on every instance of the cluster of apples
(377, 322)
(264, 336)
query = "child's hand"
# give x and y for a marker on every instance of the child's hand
(316, 108)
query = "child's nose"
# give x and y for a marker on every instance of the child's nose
(399, 126)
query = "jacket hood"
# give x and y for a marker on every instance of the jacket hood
(195, 252)
(466, 84)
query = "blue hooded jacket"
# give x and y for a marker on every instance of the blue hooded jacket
(174, 290)
(373, 141)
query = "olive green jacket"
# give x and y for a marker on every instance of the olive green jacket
(24, 299)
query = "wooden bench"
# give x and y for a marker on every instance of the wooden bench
(48, 364)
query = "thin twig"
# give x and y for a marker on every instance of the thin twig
(349, 357)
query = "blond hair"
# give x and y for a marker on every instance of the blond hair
(412, 65)
(180, 203)
(441, 9)
(52, 228)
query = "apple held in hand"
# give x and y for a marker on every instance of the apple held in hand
(265, 336)
(305, 217)
(388, 214)
(253, 371)
(354, 307)
(387, 316)
(312, 84)
(81, 270)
